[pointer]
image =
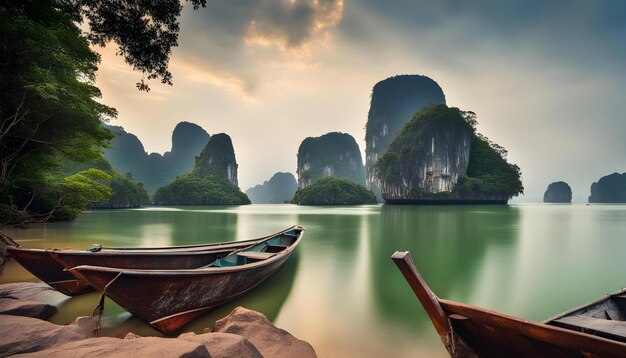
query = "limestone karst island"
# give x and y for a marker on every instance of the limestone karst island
(312, 178)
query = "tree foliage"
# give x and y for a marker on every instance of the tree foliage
(144, 31)
(190, 189)
(82, 189)
(49, 107)
(333, 191)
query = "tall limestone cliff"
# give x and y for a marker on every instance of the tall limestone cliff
(188, 139)
(212, 181)
(438, 157)
(609, 189)
(393, 103)
(558, 192)
(217, 159)
(332, 154)
(277, 190)
(127, 155)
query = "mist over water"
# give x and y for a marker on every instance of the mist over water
(341, 292)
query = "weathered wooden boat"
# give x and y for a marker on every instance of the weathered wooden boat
(597, 329)
(50, 265)
(169, 299)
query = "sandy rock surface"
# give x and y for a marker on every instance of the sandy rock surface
(125, 348)
(26, 334)
(270, 340)
(33, 291)
(224, 345)
(26, 308)
(243, 333)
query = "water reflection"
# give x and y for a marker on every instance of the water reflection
(449, 245)
(342, 293)
(156, 235)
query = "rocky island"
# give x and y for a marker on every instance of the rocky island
(332, 154)
(333, 191)
(277, 190)
(558, 192)
(212, 181)
(393, 102)
(439, 158)
(609, 189)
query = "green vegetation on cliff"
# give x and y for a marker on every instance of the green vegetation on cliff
(488, 175)
(50, 108)
(191, 189)
(333, 191)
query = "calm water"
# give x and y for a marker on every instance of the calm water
(341, 292)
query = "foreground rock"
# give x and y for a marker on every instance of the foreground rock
(32, 291)
(244, 333)
(223, 345)
(123, 348)
(270, 340)
(26, 308)
(25, 334)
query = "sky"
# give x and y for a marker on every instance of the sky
(547, 79)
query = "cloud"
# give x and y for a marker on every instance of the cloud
(230, 43)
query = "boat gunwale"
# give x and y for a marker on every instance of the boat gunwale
(203, 270)
(139, 251)
(572, 310)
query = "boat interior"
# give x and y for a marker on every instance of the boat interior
(605, 318)
(259, 252)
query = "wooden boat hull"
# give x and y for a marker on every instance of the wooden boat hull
(169, 299)
(52, 265)
(168, 302)
(470, 331)
(49, 270)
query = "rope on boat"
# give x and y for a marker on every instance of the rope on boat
(99, 309)
(451, 337)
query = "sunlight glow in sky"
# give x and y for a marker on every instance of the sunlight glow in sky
(546, 79)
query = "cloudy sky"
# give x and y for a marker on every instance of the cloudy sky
(547, 79)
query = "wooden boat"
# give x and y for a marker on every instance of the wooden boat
(50, 265)
(169, 299)
(597, 329)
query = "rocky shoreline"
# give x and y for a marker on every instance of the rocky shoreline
(24, 332)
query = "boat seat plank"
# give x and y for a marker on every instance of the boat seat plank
(278, 246)
(616, 328)
(256, 255)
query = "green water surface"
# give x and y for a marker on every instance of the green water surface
(341, 292)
